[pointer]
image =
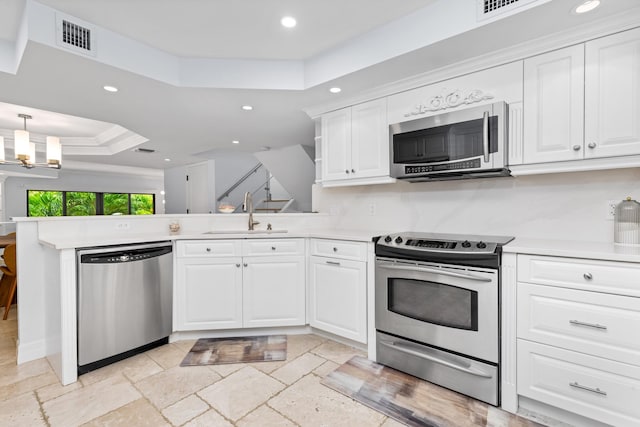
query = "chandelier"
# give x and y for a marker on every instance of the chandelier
(25, 151)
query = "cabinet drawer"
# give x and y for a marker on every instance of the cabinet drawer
(598, 324)
(343, 249)
(257, 247)
(592, 275)
(209, 248)
(596, 388)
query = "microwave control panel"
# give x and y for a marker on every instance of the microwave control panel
(467, 164)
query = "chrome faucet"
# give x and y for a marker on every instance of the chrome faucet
(247, 206)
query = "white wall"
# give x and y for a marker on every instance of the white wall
(15, 188)
(553, 206)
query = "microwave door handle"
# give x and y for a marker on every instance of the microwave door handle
(433, 358)
(434, 270)
(485, 135)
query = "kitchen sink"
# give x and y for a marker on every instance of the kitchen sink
(246, 231)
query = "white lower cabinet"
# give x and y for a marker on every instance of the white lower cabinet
(209, 294)
(577, 329)
(273, 291)
(338, 295)
(216, 291)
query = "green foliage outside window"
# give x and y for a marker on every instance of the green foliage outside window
(81, 203)
(142, 204)
(116, 203)
(45, 203)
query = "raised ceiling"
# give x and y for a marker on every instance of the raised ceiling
(185, 67)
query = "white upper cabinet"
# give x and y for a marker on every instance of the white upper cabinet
(612, 98)
(583, 103)
(355, 145)
(370, 139)
(336, 144)
(553, 106)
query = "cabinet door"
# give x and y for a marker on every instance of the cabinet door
(209, 294)
(273, 291)
(370, 139)
(612, 95)
(338, 294)
(553, 106)
(336, 145)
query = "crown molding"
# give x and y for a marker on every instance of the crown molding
(617, 23)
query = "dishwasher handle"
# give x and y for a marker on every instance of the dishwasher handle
(122, 255)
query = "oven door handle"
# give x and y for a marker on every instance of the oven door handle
(466, 368)
(433, 270)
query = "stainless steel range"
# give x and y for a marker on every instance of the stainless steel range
(438, 309)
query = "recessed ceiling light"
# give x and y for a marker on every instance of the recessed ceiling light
(288, 22)
(110, 88)
(235, 142)
(335, 90)
(247, 107)
(587, 6)
(167, 160)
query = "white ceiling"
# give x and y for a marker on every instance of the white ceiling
(188, 124)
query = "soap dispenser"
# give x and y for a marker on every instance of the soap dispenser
(627, 223)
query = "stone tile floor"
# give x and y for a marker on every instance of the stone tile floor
(151, 389)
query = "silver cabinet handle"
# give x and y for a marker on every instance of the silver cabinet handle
(434, 270)
(208, 249)
(485, 135)
(588, 325)
(592, 145)
(238, 265)
(353, 171)
(335, 249)
(333, 263)
(346, 170)
(587, 276)
(245, 264)
(273, 248)
(591, 389)
(433, 358)
(576, 147)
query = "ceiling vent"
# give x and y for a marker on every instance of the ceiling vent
(144, 150)
(486, 9)
(75, 35)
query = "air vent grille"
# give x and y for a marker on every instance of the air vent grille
(491, 5)
(75, 35)
(486, 9)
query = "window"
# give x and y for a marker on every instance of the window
(82, 203)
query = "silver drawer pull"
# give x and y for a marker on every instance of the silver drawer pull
(591, 389)
(333, 263)
(335, 249)
(208, 249)
(588, 325)
(245, 264)
(576, 148)
(273, 248)
(587, 276)
(237, 265)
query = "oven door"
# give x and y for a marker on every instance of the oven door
(451, 307)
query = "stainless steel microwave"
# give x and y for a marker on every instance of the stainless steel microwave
(468, 143)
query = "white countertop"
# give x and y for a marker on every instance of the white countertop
(73, 242)
(574, 249)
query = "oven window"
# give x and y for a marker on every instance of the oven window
(434, 303)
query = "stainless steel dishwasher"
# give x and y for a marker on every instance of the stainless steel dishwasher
(124, 301)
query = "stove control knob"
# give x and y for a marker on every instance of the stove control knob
(398, 240)
(466, 244)
(481, 245)
(388, 239)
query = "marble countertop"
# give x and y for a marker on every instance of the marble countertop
(574, 249)
(73, 242)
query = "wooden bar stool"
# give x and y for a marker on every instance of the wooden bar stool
(9, 276)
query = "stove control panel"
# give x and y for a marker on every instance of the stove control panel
(438, 245)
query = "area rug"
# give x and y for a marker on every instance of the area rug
(217, 351)
(412, 401)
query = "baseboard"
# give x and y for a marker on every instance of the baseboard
(194, 335)
(31, 351)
